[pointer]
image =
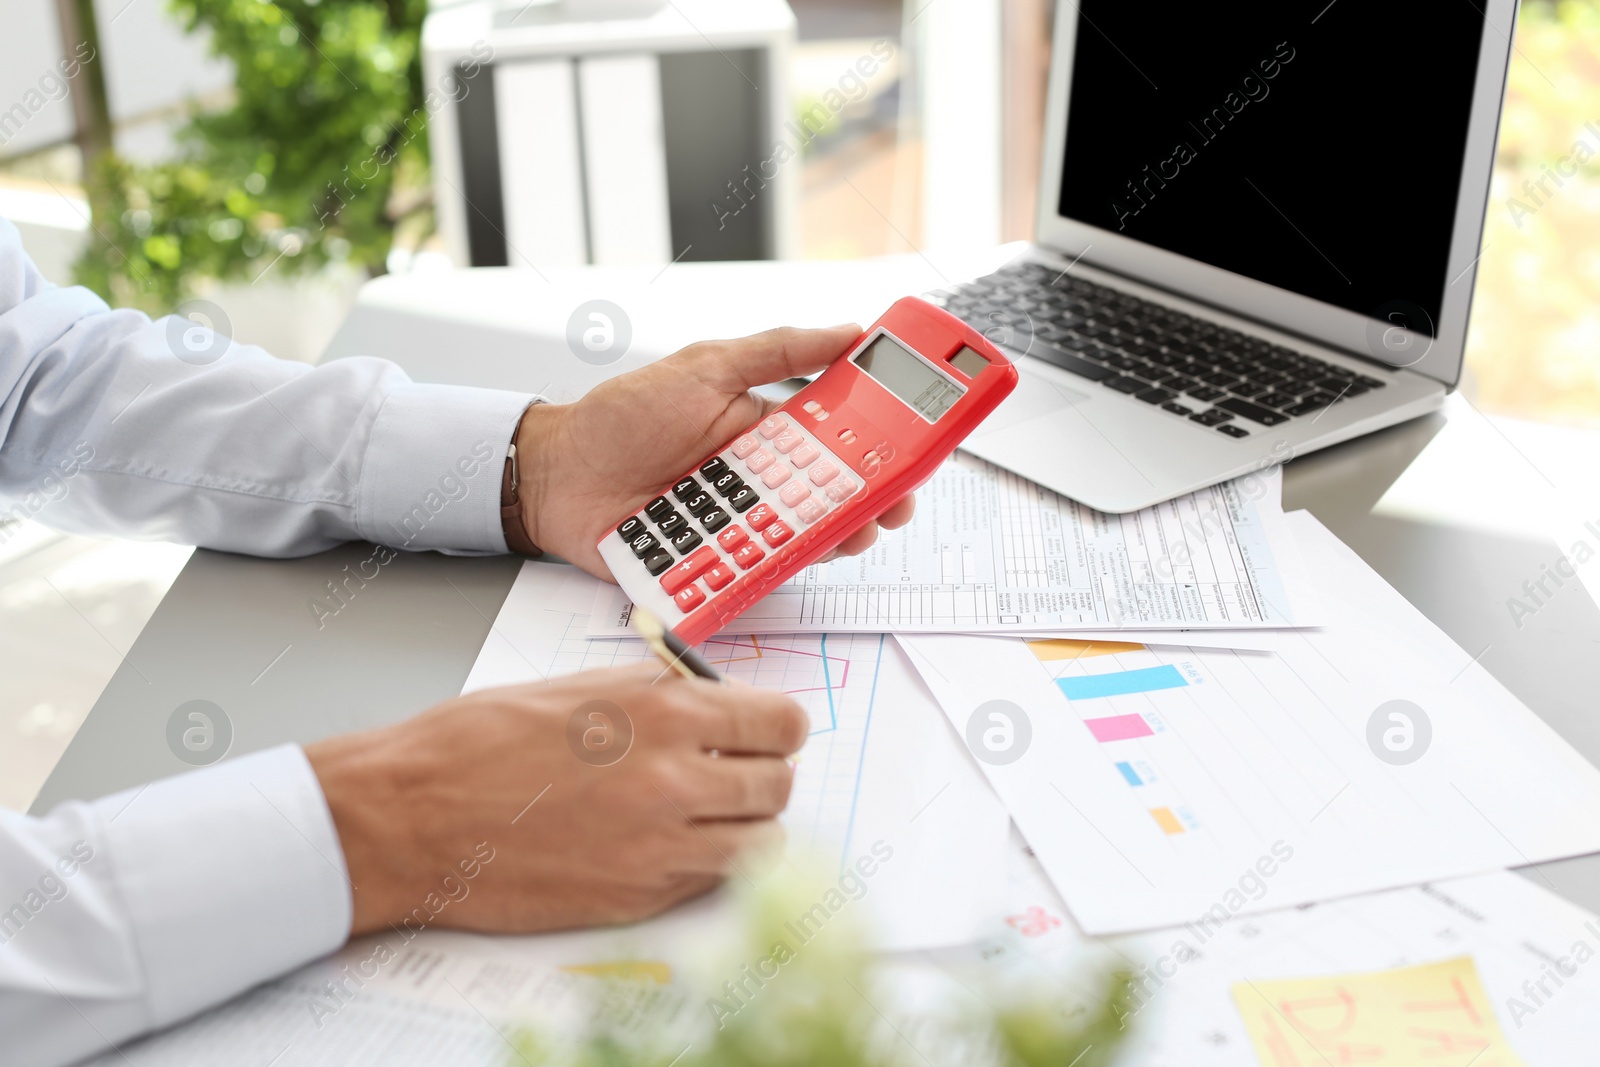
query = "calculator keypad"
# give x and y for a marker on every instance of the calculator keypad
(742, 506)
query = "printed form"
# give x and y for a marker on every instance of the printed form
(989, 551)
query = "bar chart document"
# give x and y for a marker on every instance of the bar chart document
(989, 552)
(881, 763)
(1162, 785)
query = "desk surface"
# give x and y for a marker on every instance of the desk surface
(240, 632)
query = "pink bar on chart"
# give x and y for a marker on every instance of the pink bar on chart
(1118, 727)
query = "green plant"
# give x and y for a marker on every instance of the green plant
(821, 1002)
(320, 154)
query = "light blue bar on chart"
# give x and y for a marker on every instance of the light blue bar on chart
(1120, 683)
(1129, 773)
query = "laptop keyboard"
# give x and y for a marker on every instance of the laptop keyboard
(1193, 369)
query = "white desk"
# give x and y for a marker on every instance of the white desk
(1445, 508)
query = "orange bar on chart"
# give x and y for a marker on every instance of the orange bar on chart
(1166, 820)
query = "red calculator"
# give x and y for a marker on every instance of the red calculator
(870, 429)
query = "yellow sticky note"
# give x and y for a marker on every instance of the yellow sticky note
(1434, 1014)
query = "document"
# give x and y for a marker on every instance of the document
(446, 997)
(881, 764)
(1536, 958)
(1164, 786)
(990, 552)
(424, 998)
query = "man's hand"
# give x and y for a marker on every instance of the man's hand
(588, 465)
(498, 773)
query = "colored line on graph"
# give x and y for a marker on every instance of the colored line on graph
(829, 685)
(1166, 820)
(1121, 683)
(1129, 774)
(1058, 648)
(1118, 727)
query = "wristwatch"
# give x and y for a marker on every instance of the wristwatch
(512, 521)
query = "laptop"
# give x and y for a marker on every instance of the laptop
(1257, 233)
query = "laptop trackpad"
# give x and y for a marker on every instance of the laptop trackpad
(1034, 398)
(1062, 439)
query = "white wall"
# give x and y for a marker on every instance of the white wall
(960, 88)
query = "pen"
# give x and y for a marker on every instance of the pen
(670, 647)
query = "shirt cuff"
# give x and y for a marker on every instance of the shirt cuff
(230, 875)
(434, 462)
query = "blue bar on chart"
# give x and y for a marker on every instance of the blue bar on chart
(1121, 683)
(1128, 773)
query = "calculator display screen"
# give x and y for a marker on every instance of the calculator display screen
(926, 391)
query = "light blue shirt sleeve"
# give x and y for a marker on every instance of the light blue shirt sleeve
(135, 911)
(113, 424)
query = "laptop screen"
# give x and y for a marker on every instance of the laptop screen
(1317, 149)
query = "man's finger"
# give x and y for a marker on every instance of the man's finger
(763, 358)
(899, 513)
(859, 541)
(738, 718)
(735, 787)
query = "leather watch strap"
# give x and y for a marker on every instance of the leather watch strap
(511, 518)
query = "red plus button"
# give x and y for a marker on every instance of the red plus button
(691, 568)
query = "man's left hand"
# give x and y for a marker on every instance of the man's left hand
(588, 465)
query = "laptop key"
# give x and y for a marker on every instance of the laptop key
(1233, 430)
(1253, 412)
(1069, 362)
(1370, 383)
(1211, 418)
(1128, 385)
(1177, 409)
(1155, 396)
(1205, 394)
(1278, 400)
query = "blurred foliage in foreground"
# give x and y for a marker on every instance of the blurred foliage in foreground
(816, 1003)
(1534, 342)
(327, 118)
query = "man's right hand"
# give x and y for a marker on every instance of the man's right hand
(701, 783)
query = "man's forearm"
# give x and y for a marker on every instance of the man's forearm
(107, 428)
(140, 909)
